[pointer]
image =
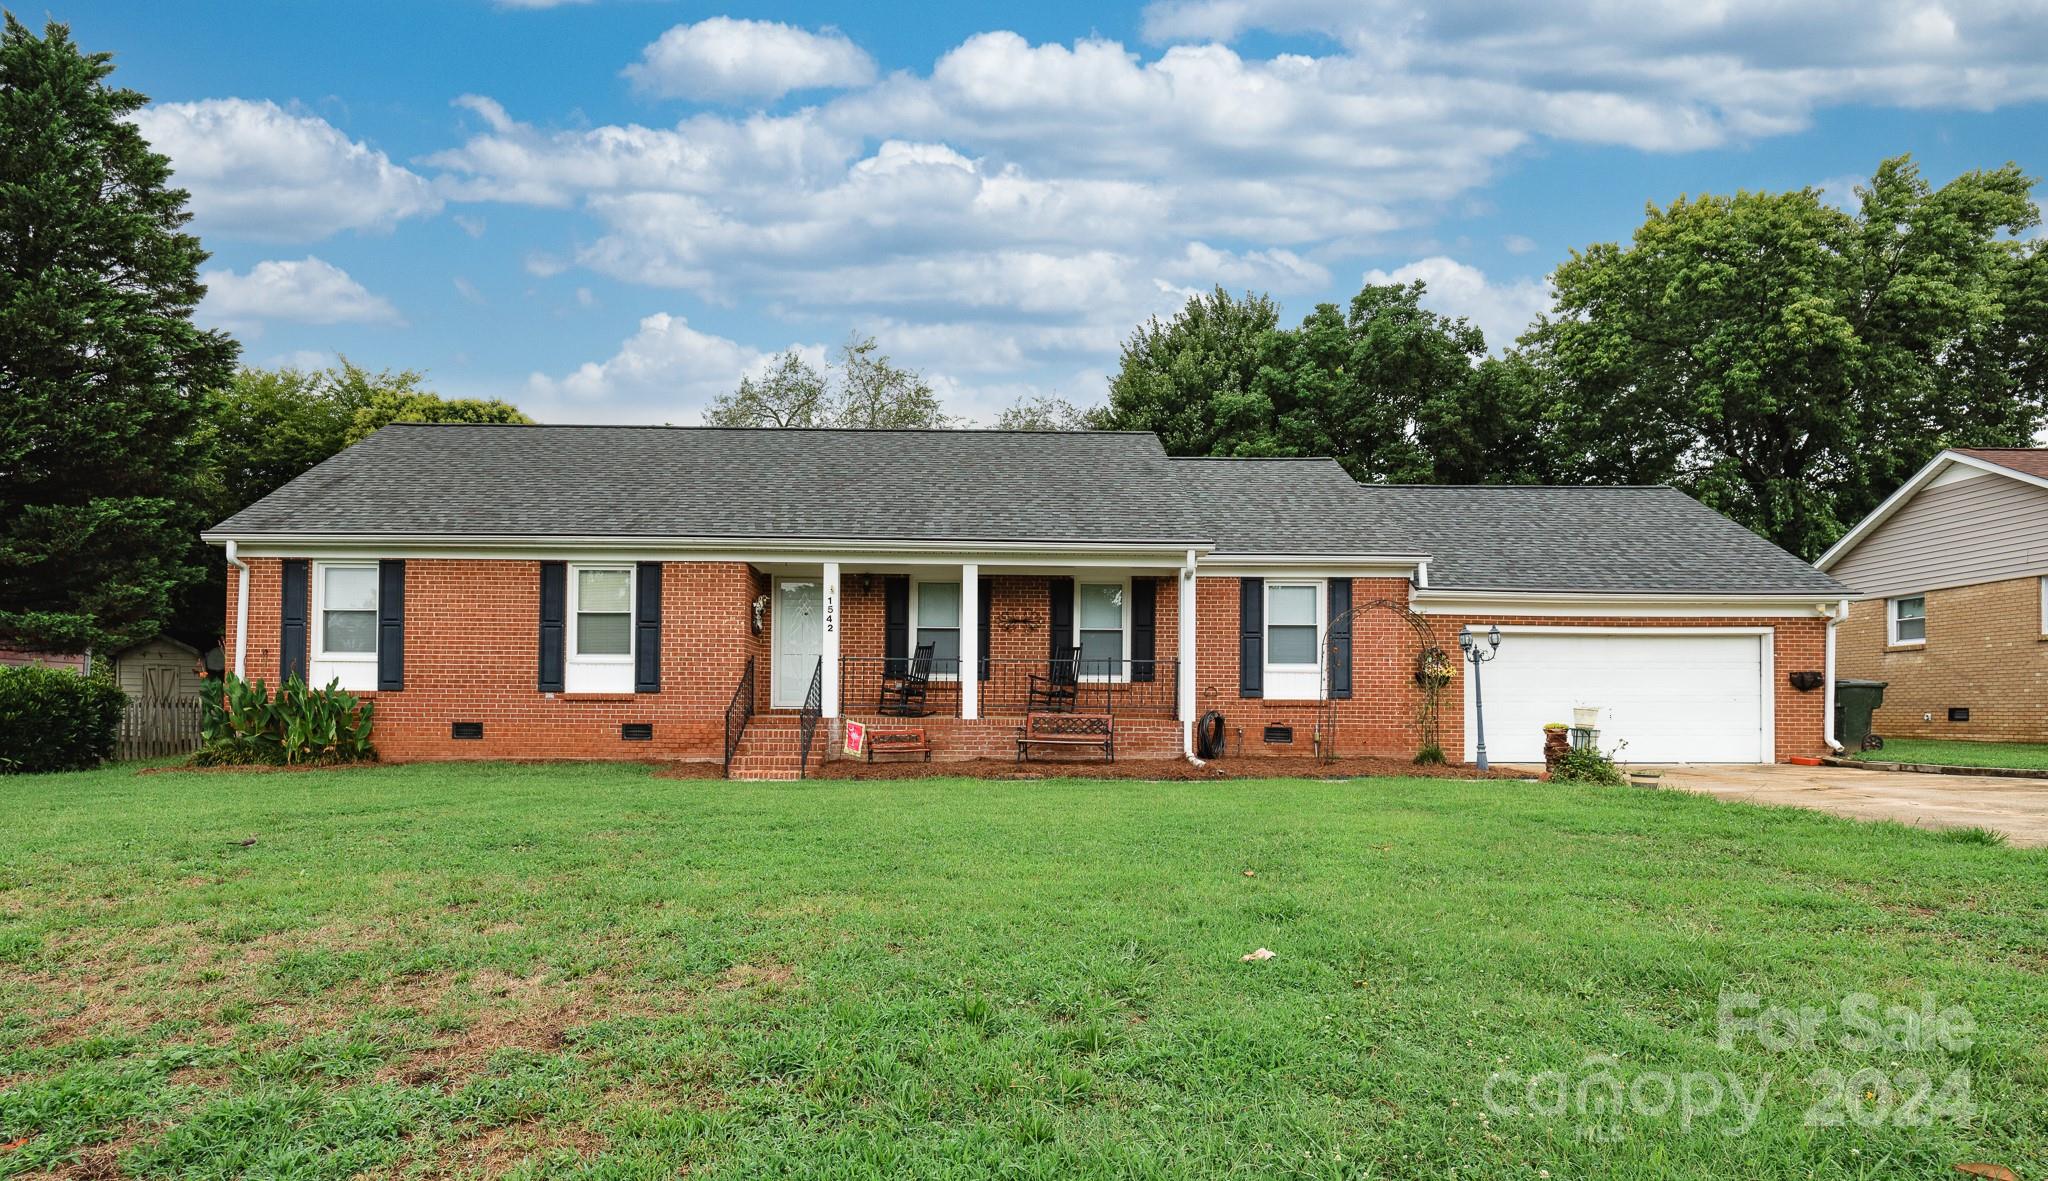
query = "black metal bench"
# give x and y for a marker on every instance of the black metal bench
(1065, 730)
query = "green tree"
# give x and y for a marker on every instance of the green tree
(863, 390)
(1049, 412)
(102, 372)
(1190, 379)
(386, 397)
(1790, 363)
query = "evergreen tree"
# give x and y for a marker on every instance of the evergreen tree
(102, 372)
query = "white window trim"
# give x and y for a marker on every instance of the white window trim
(356, 671)
(599, 672)
(1123, 674)
(1284, 675)
(917, 586)
(1891, 622)
(2044, 605)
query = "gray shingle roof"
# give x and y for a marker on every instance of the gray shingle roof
(1045, 487)
(1644, 540)
(709, 482)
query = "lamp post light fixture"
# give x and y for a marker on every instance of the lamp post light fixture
(1479, 655)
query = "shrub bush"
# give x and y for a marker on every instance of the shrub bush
(1586, 764)
(244, 724)
(52, 719)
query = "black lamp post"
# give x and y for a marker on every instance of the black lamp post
(1478, 656)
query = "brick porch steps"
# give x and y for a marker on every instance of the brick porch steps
(768, 749)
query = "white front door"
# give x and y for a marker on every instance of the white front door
(1673, 697)
(799, 625)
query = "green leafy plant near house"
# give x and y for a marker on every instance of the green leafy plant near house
(1587, 764)
(52, 719)
(244, 724)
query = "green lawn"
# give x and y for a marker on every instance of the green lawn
(586, 971)
(1950, 753)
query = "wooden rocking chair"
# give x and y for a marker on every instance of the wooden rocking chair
(1057, 690)
(903, 688)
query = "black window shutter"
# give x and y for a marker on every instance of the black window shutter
(1144, 627)
(554, 610)
(895, 624)
(390, 625)
(1251, 637)
(292, 633)
(1059, 601)
(647, 627)
(1340, 638)
(982, 598)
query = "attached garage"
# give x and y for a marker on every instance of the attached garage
(1674, 695)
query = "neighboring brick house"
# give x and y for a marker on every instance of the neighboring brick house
(601, 592)
(1948, 576)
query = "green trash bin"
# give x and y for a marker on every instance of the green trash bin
(1855, 701)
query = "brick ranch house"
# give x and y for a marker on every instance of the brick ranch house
(602, 592)
(1952, 572)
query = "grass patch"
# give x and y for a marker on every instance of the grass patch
(1943, 752)
(586, 971)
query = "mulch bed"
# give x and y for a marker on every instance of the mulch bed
(1168, 769)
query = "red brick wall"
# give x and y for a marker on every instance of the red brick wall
(1383, 715)
(472, 651)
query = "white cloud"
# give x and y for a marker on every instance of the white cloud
(666, 371)
(468, 291)
(726, 59)
(1011, 211)
(538, 4)
(1503, 311)
(306, 291)
(257, 170)
(473, 226)
(1666, 74)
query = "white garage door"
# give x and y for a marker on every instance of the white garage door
(1674, 697)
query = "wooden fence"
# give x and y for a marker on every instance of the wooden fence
(155, 727)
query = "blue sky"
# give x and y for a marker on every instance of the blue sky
(610, 210)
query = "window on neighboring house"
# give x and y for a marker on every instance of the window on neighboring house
(1099, 628)
(1909, 620)
(937, 615)
(345, 615)
(600, 657)
(1293, 632)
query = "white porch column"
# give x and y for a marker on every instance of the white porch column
(970, 640)
(830, 655)
(1185, 653)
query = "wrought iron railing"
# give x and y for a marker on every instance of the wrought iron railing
(1136, 689)
(738, 713)
(807, 721)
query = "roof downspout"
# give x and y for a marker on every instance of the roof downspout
(1184, 649)
(1827, 705)
(242, 609)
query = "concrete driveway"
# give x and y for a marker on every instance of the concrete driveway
(2016, 807)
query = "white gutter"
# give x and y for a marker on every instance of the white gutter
(1827, 705)
(1422, 574)
(241, 607)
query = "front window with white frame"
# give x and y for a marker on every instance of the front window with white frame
(936, 616)
(600, 657)
(1294, 633)
(345, 625)
(1908, 620)
(1102, 629)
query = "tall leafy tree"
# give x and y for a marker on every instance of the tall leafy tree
(1789, 362)
(102, 372)
(1049, 412)
(1191, 378)
(863, 389)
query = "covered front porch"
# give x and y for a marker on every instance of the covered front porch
(933, 643)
